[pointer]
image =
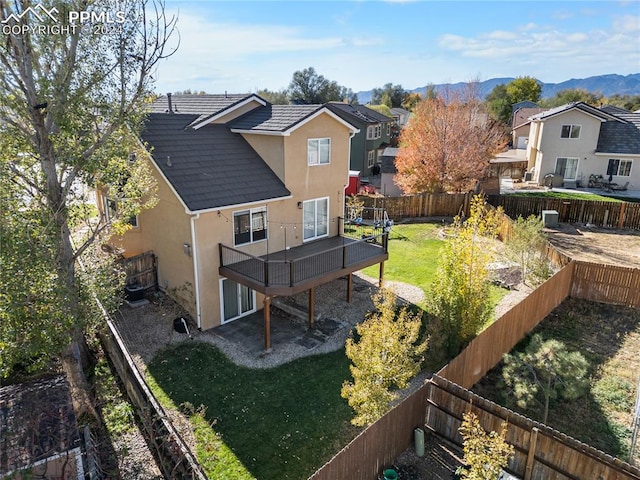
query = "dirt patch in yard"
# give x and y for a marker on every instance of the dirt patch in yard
(597, 245)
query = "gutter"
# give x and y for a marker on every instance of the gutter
(196, 272)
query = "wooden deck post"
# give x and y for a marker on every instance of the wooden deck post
(381, 278)
(349, 287)
(312, 301)
(267, 323)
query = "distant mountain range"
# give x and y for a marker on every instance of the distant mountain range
(607, 85)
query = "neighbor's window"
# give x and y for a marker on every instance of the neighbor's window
(371, 158)
(567, 167)
(318, 151)
(388, 128)
(250, 225)
(570, 131)
(620, 168)
(374, 131)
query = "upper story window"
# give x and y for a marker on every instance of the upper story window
(249, 225)
(620, 168)
(570, 131)
(374, 131)
(111, 212)
(318, 151)
(388, 128)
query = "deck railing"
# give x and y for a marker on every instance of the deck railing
(292, 271)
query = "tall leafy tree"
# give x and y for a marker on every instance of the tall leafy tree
(390, 95)
(573, 95)
(411, 100)
(501, 99)
(72, 104)
(546, 370)
(276, 97)
(387, 355)
(447, 144)
(308, 87)
(459, 297)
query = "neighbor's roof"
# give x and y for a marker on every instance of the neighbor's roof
(388, 160)
(588, 109)
(621, 137)
(521, 116)
(210, 167)
(358, 112)
(36, 422)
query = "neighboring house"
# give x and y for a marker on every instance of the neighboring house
(577, 140)
(520, 126)
(251, 197)
(388, 171)
(373, 137)
(400, 116)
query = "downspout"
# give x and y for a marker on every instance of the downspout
(196, 273)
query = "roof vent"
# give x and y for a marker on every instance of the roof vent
(168, 160)
(170, 110)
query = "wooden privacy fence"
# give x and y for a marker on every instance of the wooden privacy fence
(486, 350)
(607, 284)
(540, 451)
(174, 457)
(622, 215)
(426, 205)
(141, 269)
(379, 444)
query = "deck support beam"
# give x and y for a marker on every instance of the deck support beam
(267, 323)
(381, 278)
(312, 303)
(349, 287)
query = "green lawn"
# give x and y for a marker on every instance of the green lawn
(413, 257)
(281, 423)
(570, 196)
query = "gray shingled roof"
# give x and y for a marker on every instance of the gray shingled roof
(620, 136)
(210, 167)
(569, 106)
(359, 112)
(36, 421)
(274, 118)
(200, 104)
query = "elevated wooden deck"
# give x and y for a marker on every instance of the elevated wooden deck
(300, 268)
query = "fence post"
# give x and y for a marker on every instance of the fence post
(623, 209)
(344, 256)
(531, 453)
(266, 273)
(291, 273)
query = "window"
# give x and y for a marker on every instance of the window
(318, 151)
(249, 226)
(315, 216)
(620, 168)
(371, 158)
(567, 167)
(111, 212)
(570, 131)
(388, 129)
(374, 131)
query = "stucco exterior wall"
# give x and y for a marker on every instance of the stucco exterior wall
(271, 149)
(551, 145)
(165, 229)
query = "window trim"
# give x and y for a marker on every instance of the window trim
(318, 151)
(251, 232)
(389, 128)
(221, 301)
(571, 129)
(577, 159)
(371, 158)
(316, 236)
(620, 161)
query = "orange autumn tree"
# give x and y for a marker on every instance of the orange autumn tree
(447, 144)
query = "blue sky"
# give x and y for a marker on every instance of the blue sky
(243, 46)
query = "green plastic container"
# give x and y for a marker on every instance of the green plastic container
(390, 474)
